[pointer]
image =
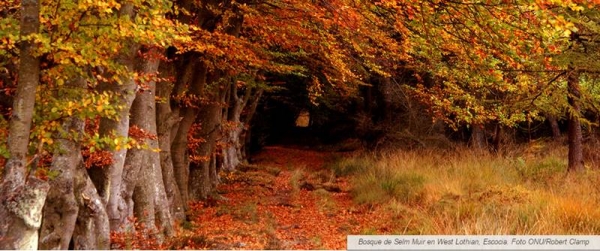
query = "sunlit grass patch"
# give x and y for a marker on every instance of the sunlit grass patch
(461, 192)
(350, 165)
(379, 185)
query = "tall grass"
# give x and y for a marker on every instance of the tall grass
(523, 191)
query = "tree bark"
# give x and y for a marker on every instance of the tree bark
(478, 140)
(554, 126)
(245, 137)
(188, 113)
(574, 133)
(21, 202)
(22, 215)
(92, 230)
(200, 183)
(14, 173)
(150, 198)
(498, 135)
(60, 215)
(233, 151)
(166, 120)
(135, 159)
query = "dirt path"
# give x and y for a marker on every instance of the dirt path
(270, 206)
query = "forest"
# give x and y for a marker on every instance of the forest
(290, 124)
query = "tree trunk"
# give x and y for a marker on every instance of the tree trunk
(164, 219)
(210, 117)
(233, 151)
(22, 215)
(554, 126)
(197, 178)
(231, 139)
(135, 159)
(22, 203)
(60, 215)
(385, 89)
(22, 113)
(109, 179)
(478, 140)
(575, 134)
(150, 198)
(144, 209)
(245, 138)
(498, 134)
(179, 151)
(92, 230)
(200, 184)
(253, 105)
(166, 120)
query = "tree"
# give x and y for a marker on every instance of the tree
(575, 55)
(23, 195)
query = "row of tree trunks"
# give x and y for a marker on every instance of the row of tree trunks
(154, 183)
(197, 181)
(245, 137)
(231, 152)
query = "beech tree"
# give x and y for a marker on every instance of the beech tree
(23, 195)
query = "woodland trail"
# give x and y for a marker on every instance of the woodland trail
(272, 205)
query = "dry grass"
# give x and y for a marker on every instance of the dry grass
(524, 190)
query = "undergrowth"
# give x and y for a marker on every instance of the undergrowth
(520, 191)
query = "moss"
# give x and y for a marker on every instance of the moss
(29, 202)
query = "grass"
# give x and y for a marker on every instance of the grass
(325, 202)
(246, 212)
(295, 179)
(461, 192)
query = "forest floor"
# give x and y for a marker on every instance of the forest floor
(296, 198)
(284, 200)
